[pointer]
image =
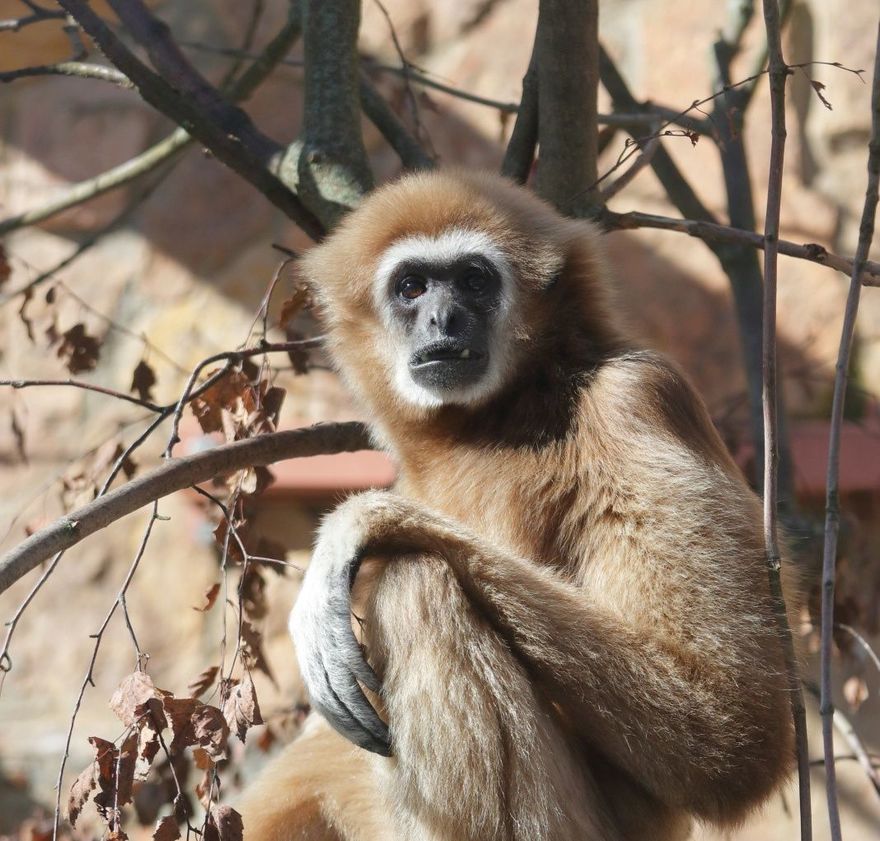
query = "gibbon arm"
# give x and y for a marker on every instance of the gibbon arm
(692, 714)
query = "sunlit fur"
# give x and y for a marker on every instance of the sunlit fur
(566, 597)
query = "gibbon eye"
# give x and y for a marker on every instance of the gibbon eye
(475, 280)
(411, 287)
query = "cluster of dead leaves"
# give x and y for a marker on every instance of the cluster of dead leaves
(156, 720)
(78, 349)
(240, 405)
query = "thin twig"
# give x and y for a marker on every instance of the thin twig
(11, 624)
(648, 150)
(88, 680)
(109, 392)
(832, 494)
(844, 726)
(78, 69)
(111, 179)
(865, 645)
(92, 239)
(778, 73)
(711, 232)
(38, 15)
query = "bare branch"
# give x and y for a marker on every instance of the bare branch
(38, 15)
(174, 475)
(567, 54)
(778, 75)
(711, 232)
(844, 726)
(226, 130)
(88, 679)
(832, 493)
(380, 114)
(520, 153)
(79, 69)
(865, 645)
(109, 392)
(165, 150)
(648, 149)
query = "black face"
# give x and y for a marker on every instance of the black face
(446, 312)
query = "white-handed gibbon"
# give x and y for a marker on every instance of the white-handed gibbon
(564, 624)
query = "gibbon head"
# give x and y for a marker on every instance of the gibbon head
(442, 286)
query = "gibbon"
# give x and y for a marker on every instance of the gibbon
(563, 625)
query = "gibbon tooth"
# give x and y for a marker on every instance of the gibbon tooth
(465, 354)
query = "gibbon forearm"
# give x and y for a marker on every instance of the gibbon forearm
(670, 716)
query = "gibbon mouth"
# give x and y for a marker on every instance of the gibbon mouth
(444, 353)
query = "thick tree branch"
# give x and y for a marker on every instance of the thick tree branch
(333, 169)
(226, 130)
(567, 55)
(174, 475)
(832, 493)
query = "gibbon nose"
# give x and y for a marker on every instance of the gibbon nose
(444, 320)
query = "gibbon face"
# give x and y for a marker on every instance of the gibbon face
(426, 289)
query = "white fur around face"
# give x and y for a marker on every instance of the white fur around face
(445, 248)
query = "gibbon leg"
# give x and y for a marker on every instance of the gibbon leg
(477, 757)
(320, 788)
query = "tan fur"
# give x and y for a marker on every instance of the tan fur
(571, 616)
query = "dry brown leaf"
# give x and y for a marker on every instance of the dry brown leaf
(252, 644)
(79, 349)
(241, 708)
(201, 759)
(143, 379)
(179, 713)
(134, 691)
(81, 791)
(292, 306)
(224, 824)
(252, 591)
(210, 598)
(203, 788)
(115, 791)
(203, 682)
(152, 720)
(855, 690)
(211, 731)
(166, 830)
(233, 394)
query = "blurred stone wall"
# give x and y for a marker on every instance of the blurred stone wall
(182, 275)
